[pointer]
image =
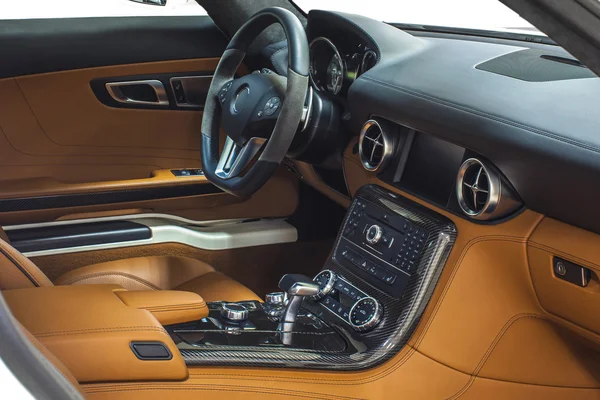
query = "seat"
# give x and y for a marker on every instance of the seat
(143, 273)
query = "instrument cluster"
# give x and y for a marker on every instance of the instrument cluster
(333, 69)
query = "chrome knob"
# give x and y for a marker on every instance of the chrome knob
(276, 299)
(234, 312)
(374, 234)
(326, 280)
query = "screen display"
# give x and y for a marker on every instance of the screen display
(431, 168)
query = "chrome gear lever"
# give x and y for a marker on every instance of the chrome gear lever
(297, 287)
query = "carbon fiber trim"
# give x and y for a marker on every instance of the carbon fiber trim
(99, 198)
(400, 316)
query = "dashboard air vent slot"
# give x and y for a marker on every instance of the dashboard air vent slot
(482, 193)
(374, 146)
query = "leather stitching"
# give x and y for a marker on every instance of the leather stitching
(101, 330)
(243, 389)
(175, 307)
(470, 244)
(166, 310)
(8, 254)
(406, 357)
(499, 336)
(488, 116)
(272, 58)
(101, 274)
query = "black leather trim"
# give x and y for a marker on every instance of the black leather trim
(48, 45)
(98, 198)
(76, 235)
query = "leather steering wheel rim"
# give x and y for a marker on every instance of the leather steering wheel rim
(289, 116)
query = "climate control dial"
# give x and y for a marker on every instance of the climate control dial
(326, 281)
(365, 314)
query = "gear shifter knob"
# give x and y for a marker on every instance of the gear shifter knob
(298, 285)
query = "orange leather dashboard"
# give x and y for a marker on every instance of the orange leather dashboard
(167, 306)
(90, 329)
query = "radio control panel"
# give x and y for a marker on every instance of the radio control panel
(383, 247)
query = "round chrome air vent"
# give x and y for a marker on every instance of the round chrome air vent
(375, 146)
(478, 189)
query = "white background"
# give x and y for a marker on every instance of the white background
(476, 14)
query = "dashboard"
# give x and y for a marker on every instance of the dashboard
(439, 113)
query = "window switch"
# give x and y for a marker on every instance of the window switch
(179, 91)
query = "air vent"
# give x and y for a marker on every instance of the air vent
(482, 193)
(375, 146)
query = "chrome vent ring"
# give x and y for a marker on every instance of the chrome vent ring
(477, 189)
(375, 146)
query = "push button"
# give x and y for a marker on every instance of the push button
(179, 92)
(272, 105)
(390, 278)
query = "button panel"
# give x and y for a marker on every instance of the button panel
(342, 298)
(390, 261)
(223, 91)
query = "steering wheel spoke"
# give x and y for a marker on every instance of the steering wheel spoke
(234, 159)
(260, 112)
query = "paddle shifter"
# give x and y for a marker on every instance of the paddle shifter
(297, 287)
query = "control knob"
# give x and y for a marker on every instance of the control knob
(326, 280)
(277, 299)
(365, 314)
(234, 312)
(374, 234)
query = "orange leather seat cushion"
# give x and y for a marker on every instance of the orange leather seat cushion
(162, 273)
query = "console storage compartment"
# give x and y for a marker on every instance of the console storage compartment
(90, 329)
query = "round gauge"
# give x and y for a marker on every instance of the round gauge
(365, 314)
(369, 60)
(325, 279)
(327, 69)
(335, 74)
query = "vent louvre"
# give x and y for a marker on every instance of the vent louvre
(477, 189)
(374, 146)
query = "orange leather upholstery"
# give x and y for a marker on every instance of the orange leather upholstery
(90, 330)
(17, 271)
(167, 306)
(142, 273)
(166, 273)
(51, 357)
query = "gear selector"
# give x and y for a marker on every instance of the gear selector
(297, 287)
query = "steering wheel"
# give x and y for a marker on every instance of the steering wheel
(246, 108)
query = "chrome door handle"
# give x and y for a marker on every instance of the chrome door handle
(115, 90)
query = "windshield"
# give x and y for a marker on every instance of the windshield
(490, 15)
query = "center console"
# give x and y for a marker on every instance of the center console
(357, 312)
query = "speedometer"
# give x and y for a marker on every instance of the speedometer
(335, 75)
(327, 69)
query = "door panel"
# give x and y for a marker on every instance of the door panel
(55, 121)
(64, 152)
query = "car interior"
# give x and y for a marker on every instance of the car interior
(269, 203)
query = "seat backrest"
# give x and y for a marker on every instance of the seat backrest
(16, 270)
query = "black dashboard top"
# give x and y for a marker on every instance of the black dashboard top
(543, 134)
